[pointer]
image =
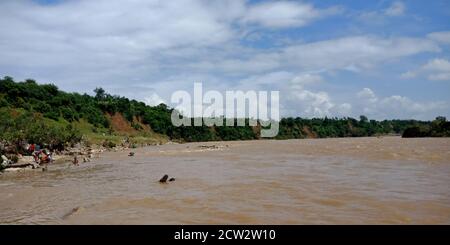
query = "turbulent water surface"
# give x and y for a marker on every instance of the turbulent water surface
(386, 180)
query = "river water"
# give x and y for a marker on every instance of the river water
(386, 180)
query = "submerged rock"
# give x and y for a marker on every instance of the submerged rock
(208, 146)
(164, 179)
(5, 161)
(72, 212)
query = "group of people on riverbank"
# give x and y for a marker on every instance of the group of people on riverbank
(40, 156)
(34, 156)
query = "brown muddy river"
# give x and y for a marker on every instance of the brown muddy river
(319, 181)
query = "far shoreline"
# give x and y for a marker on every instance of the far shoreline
(99, 150)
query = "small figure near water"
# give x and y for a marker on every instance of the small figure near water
(131, 154)
(171, 179)
(75, 160)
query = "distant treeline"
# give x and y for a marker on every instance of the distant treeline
(41, 113)
(440, 127)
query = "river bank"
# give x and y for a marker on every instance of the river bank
(82, 152)
(375, 151)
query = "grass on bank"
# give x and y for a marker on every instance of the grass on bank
(97, 136)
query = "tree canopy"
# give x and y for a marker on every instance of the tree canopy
(30, 112)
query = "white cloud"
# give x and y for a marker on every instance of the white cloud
(352, 53)
(401, 103)
(359, 52)
(271, 79)
(367, 94)
(108, 40)
(439, 68)
(382, 16)
(153, 100)
(396, 9)
(316, 104)
(343, 110)
(439, 77)
(285, 14)
(442, 37)
(305, 79)
(90, 40)
(403, 107)
(300, 99)
(439, 65)
(306, 103)
(436, 69)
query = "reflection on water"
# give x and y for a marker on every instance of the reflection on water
(325, 181)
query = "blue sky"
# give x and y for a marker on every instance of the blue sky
(383, 59)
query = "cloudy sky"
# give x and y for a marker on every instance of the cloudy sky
(383, 59)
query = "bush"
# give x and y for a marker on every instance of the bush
(415, 131)
(109, 144)
(136, 126)
(52, 115)
(14, 158)
(18, 126)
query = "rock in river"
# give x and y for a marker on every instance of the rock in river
(164, 178)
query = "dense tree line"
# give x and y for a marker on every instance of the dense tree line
(18, 127)
(343, 127)
(437, 128)
(42, 104)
